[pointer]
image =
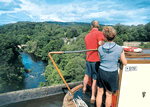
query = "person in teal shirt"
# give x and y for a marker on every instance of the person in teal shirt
(107, 77)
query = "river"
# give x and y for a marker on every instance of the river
(37, 67)
(33, 78)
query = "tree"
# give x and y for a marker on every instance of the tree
(142, 33)
(124, 37)
(118, 41)
(11, 67)
(142, 45)
(147, 28)
(31, 46)
(53, 45)
(72, 33)
(52, 76)
(75, 69)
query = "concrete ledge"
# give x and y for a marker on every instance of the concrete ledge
(28, 94)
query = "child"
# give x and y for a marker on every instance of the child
(107, 77)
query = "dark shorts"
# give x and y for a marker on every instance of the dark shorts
(92, 69)
(108, 80)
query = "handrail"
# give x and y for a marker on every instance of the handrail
(61, 52)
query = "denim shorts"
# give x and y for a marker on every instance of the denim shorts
(92, 69)
(108, 80)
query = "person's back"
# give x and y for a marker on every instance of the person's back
(107, 76)
(110, 53)
(91, 42)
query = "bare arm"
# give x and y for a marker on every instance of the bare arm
(101, 43)
(123, 58)
(99, 56)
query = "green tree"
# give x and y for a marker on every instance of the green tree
(142, 45)
(54, 45)
(124, 37)
(52, 76)
(11, 67)
(118, 40)
(72, 33)
(31, 46)
(142, 33)
(147, 28)
(75, 69)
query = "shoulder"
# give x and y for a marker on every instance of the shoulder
(98, 32)
(119, 47)
(100, 36)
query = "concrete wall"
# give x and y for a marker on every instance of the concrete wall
(28, 94)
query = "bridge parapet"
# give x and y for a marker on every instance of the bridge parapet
(28, 94)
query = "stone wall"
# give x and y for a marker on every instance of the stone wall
(28, 94)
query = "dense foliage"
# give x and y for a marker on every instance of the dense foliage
(43, 37)
(145, 45)
(11, 67)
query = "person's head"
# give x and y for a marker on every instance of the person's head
(94, 24)
(109, 33)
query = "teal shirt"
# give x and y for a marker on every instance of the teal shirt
(110, 53)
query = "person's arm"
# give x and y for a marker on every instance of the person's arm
(100, 38)
(123, 58)
(99, 56)
(101, 43)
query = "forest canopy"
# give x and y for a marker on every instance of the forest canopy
(11, 67)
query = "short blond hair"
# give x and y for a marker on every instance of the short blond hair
(109, 32)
